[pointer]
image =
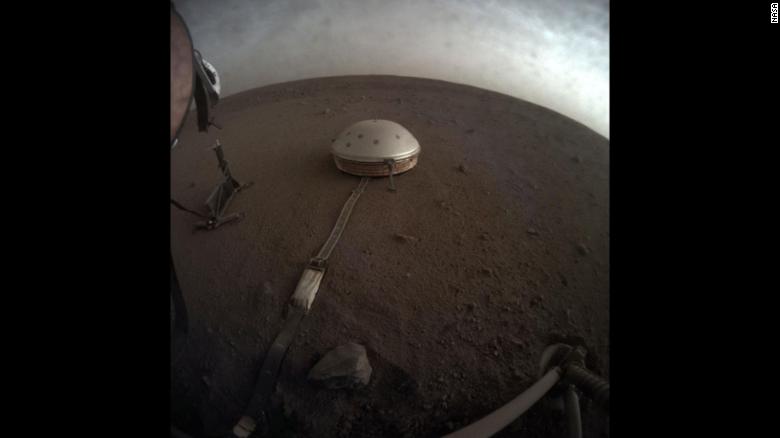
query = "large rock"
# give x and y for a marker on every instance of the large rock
(346, 366)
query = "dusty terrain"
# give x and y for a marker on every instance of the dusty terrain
(508, 210)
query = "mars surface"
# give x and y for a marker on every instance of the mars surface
(495, 245)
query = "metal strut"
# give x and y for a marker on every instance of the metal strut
(223, 193)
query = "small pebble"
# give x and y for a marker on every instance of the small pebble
(404, 237)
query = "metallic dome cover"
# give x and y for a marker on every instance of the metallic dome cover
(375, 141)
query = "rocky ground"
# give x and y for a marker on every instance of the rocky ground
(495, 245)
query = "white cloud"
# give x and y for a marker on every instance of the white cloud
(553, 53)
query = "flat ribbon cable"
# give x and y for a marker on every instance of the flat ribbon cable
(297, 309)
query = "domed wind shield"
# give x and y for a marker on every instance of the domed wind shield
(375, 148)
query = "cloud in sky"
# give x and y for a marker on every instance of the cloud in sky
(554, 53)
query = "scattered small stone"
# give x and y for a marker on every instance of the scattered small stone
(471, 306)
(583, 250)
(564, 281)
(326, 111)
(484, 236)
(488, 272)
(470, 131)
(206, 380)
(516, 341)
(446, 206)
(427, 407)
(568, 317)
(463, 168)
(405, 238)
(440, 379)
(495, 353)
(576, 159)
(533, 231)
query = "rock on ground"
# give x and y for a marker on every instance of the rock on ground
(346, 366)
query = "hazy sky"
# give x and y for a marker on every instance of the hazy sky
(554, 53)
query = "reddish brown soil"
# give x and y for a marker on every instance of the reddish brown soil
(504, 196)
